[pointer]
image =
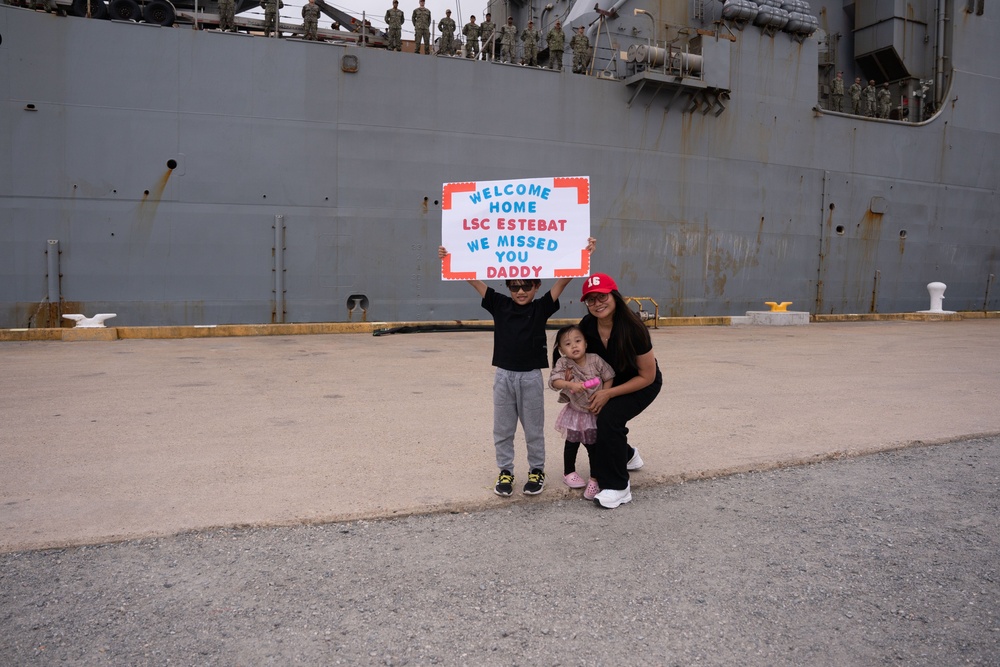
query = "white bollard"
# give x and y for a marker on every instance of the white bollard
(95, 322)
(937, 296)
(936, 291)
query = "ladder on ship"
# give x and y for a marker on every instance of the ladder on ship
(698, 9)
(610, 70)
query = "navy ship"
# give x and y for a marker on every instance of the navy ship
(168, 172)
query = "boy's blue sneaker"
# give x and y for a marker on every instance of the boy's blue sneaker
(535, 483)
(505, 483)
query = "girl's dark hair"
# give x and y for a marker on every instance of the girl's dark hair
(630, 330)
(559, 334)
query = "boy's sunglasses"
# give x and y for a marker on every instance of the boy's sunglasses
(521, 288)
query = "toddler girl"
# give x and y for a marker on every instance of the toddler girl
(576, 375)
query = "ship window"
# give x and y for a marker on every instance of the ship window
(840, 230)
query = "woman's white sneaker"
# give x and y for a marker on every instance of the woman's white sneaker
(635, 462)
(612, 498)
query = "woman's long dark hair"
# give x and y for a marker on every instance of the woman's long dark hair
(629, 331)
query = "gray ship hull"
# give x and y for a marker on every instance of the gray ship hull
(196, 177)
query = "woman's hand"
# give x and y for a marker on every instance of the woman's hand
(646, 376)
(599, 400)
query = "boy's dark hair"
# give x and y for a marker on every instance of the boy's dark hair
(531, 281)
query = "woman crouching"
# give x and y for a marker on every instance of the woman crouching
(616, 334)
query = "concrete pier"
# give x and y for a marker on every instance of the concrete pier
(109, 440)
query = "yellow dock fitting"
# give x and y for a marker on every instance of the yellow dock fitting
(778, 307)
(89, 333)
(645, 315)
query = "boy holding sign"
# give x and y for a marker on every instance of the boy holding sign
(520, 351)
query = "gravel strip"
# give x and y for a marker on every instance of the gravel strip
(887, 559)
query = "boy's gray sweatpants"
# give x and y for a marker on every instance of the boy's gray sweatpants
(519, 395)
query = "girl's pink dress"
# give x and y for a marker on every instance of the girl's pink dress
(575, 421)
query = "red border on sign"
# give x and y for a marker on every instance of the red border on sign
(575, 273)
(458, 275)
(581, 185)
(449, 188)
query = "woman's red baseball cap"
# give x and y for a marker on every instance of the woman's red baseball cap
(601, 283)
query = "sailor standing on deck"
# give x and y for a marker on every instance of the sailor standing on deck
(487, 33)
(447, 28)
(310, 20)
(395, 18)
(508, 41)
(581, 51)
(869, 97)
(837, 92)
(471, 32)
(271, 8)
(421, 19)
(530, 37)
(227, 15)
(855, 93)
(556, 39)
(884, 101)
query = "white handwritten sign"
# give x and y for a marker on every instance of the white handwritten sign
(528, 228)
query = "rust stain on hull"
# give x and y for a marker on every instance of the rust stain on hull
(47, 315)
(151, 199)
(824, 253)
(870, 231)
(147, 209)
